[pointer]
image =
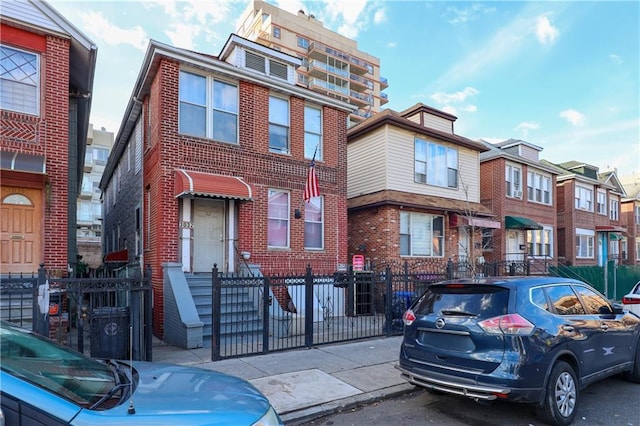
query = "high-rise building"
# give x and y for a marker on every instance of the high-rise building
(331, 63)
(89, 216)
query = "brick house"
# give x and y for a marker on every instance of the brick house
(210, 164)
(630, 217)
(588, 207)
(519, 190)
(414, 189)
(46, 82)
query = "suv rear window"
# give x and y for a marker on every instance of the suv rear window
(480, 300)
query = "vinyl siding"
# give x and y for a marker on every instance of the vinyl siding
(367, 160)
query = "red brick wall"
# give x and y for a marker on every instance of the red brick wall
(45, 135)
(251, 160)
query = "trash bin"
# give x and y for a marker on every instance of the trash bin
(110, 333)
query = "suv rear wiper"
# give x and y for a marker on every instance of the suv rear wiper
(457, 312)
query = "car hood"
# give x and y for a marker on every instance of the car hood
(174, 394)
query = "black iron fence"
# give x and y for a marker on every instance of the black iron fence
(257, 314)
(106, 317)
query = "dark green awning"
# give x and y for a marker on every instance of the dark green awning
(517, 222)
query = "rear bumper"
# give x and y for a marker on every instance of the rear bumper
(470, 389)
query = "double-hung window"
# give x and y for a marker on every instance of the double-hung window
(278, 125)
(278, 219)
(208, 108)
(538, 188)
(637, 210)
(584, 243)
(314, 223)
(421, 235)
(602, 202)
(312, 132)
(303, 42)
(540, 241)
(614, 211)
(435, 164)
(513, 178)
(19, 80)
(584, 198)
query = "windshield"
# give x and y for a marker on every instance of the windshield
(56, 368)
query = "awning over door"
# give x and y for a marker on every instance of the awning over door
(517, 222)
(610, 228)
(190, 183)
(478, 222)
(22, 162)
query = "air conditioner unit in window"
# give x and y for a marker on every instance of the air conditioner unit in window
(517, 194)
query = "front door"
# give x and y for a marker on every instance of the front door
(21, 230)
(208, 235)
(515, 240)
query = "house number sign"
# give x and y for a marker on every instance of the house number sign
(186, 225)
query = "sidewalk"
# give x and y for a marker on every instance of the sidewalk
(304, 384)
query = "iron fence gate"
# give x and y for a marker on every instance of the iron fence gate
(105, 317)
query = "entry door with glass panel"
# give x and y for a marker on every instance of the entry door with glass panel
(208, 235)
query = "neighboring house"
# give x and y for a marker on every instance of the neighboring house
(414, 189)
(520, 192)
(331, 63)
(99, 143)
(46, 83)
(630, 217)
(588, 206)
(210, 164)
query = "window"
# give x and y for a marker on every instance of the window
(303, 42)
(513, 177)
(584, 198)
(637, 210)
(421, 235)
(314, 223)
(276, 32)
(538, 188)
(100, 156)
(87, 184)
(278, 125)
(278, 219)
(487, 239)
(84, 211)
(19, 80)
(564, 300)
(593, 302)
(637, 249)
(614, 213)
(584, 243)
(435, 164)
(208, 108)
(540, 241)
(602, 202)
(312, 132)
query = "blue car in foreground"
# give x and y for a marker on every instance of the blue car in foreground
(42, 383)
(538, 340)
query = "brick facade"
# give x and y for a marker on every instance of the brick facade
(44, 135)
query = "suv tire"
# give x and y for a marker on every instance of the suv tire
(560, 403)
(634, 374)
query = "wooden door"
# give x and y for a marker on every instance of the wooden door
(21, 230)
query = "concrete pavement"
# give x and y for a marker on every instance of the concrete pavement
(303, 384)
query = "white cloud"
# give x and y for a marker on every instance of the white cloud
(615, 59)
(468, 14)
(525, 127)
(379, 16)
(208, 12)
(456, 97)
(545, 31)
(392, 44)
(95, 23)
(573, 117)
(182, 34)
(450, 110)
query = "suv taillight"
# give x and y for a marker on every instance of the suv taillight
(631, 300)
(512, 324)
(408, 317)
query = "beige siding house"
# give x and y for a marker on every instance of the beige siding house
(413, 189)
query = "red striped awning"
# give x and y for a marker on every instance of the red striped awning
(190, 183)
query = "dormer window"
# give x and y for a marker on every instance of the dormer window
(265, 66)
(254, 62)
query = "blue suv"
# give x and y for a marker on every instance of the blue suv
(537, 340)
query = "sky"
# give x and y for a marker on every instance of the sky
(564, 76)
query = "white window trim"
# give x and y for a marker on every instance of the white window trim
(321, 222)
(287, 126)
(614, 209)
(288, 219)
(590, 234)
(209, 106)
(429, 164)
(442, 238)
(600, 194)
(532, 186)
(37, 85)
(531, 239)
(515, 191)
(319, 135)
(581, 191)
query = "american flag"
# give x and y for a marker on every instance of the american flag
(311, 188)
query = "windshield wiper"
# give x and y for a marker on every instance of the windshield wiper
(119, 384)
(457, 312)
